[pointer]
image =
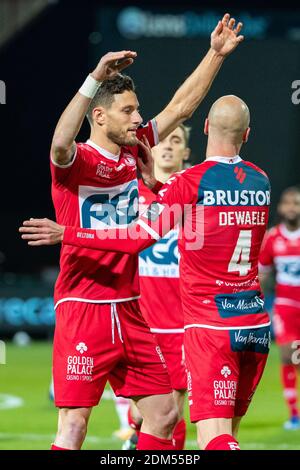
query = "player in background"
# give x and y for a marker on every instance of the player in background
(281, 250)
(159, 282)
(125, 431)
(94, 185)
(223, 204)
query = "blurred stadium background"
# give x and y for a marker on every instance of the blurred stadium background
(46, 51)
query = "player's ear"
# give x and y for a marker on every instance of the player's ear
(99, 115)
(206, 124)
(186, 154)
(246, 134)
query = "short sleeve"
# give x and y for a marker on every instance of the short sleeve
(64, 174)
(150, 131)
(266, 256)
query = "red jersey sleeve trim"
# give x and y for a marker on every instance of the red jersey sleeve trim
(155, 131)
(114, 239)
(265, 268)
(67, 164)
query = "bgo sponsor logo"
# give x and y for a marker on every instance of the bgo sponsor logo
(108, 207)
(162, 258)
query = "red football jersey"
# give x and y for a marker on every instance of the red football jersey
(98, 190)
(281, 249)
(160, 300)
(224, 205)
(225, 218)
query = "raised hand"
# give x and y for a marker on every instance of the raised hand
(112, 63)
(225, 38)
(39, 232)
(145, 162)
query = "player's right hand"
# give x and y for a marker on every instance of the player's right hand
(225, 38)
(145, 163)
(112, 63)
(38, 232)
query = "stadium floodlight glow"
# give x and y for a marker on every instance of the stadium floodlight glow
(2, 92)
(2, 353)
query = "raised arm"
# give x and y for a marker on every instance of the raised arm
(63, 142)
(224, 39)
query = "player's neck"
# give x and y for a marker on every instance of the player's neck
(222, 150)
(163, 175)
(104, 142)
(292, 227)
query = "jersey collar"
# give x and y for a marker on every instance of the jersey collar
(103, 152)
(291, 235)
(228, 160)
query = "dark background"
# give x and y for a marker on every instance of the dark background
(45, 64)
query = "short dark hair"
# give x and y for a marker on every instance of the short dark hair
(106, 92)
(186, 133)
(291, 189)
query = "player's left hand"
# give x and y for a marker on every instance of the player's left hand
(145, 163)
(38, 232)
(225, 38)
(113, 63)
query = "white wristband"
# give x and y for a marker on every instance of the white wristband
(90, 87)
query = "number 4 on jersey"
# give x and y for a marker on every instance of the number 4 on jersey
(240, 258)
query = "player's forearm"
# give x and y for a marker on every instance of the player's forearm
(69, 126)
(118, 240)
(263, 280)
(153, 224)
(196, 86)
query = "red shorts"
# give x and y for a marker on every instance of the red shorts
(171, 345)
(286, 322)
(224, 368)
(94, 343)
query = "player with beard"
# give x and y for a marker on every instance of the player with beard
(100, 333)
(281, 250)
(222, 205)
